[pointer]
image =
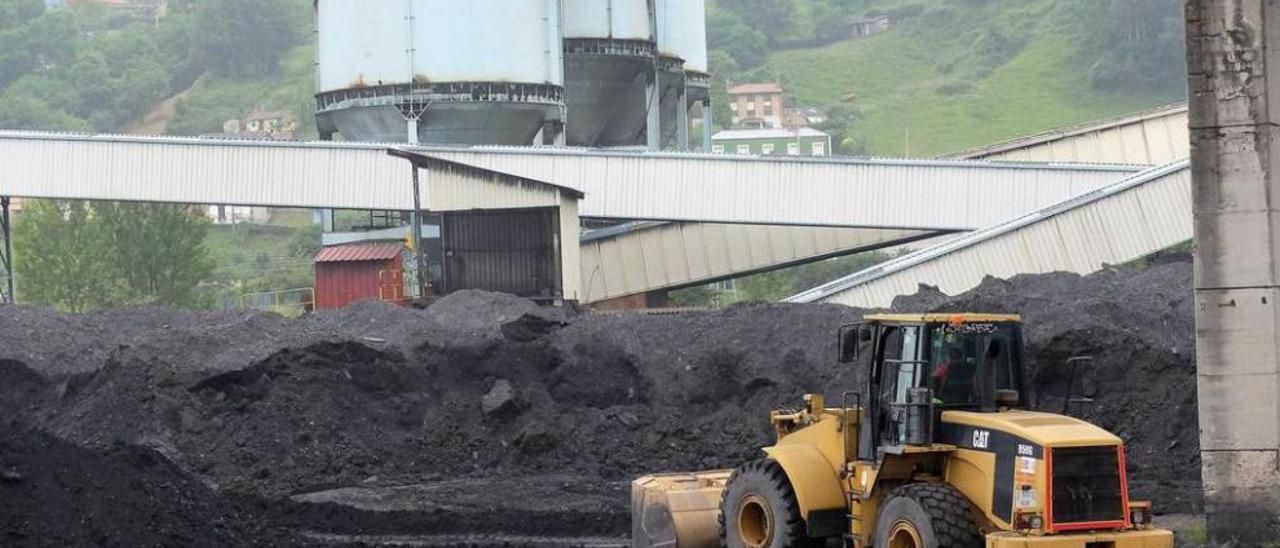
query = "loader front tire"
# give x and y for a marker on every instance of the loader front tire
(927, 515)
(759, 509)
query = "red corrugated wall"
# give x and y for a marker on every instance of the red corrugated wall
(339, 284)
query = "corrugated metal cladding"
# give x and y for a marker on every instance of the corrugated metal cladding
(668, 255)
(940, 195)
(351, 274)
(1131, 219)
(200, 171)
(1152, 138)
(515, 252)
(368, 252)
(455, 188)
(873, 193)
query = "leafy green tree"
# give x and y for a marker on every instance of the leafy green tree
(16, 58)
(53, 38)
(76, 257)
(728, 33)
(721, 65)
(157, 251)
(244, 37)
(15, 13)
(771, 17)
(31, 112)
(60, 257)
(1136, 45)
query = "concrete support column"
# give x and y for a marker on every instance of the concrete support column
(707, 125)
(1233, 55)
(653, 124)
(682, 119)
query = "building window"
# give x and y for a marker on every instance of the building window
(768, 108)
(819, 148)
(744, 149)
(718, 149)
(766, 148)
(793, 149)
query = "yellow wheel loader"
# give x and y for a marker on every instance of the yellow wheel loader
(939, 451)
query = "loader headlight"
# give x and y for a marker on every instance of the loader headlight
(1028, 522)
(1140, 515)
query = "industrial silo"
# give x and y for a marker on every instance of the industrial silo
(609, 53)
(439, 71)
(682, 65)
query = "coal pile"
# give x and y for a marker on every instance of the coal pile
(247, 414)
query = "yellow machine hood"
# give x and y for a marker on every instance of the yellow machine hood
(1045, 429)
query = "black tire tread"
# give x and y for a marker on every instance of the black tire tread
(794, 530)
(951, 514)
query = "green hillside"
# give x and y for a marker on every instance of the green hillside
(952, 74)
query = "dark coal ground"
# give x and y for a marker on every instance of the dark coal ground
(151, 427)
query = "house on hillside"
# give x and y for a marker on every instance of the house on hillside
(772, 142)
(261, 124)
(273, 122)
(869, 27)
(757, 105)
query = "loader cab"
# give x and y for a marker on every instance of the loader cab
(921, 365)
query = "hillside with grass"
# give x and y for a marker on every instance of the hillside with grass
(953, 74)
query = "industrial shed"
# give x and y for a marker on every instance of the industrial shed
(500, 232)
(347, 274)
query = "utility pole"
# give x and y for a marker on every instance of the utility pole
(1233, 54)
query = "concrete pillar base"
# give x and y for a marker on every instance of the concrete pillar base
(1242, 492)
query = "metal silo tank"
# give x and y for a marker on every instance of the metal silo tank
(474, 72)
(682, 51)
(609, 52)
(693, 49)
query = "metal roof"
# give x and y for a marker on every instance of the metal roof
(1154, 137)
(1134, 217)
(427, 161)
(637, 258)
(869, 193)
(359, 253)
(756, 87)
(769, 133)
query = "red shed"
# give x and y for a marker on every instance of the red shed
(350, 273)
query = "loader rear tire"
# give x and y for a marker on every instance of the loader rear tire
(759, 509)
(927, 515)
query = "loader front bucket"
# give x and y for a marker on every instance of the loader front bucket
(677, 510)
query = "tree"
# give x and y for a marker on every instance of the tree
(76, 257)
(59, 256)
(727, 32)
(157, 251)
(770, 17)
(721, 65)
(1136, 45)
(15, 13)
(243, 37)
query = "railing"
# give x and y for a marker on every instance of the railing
(287, 302)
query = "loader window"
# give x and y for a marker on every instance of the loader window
(899, 372)
(970, 361)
